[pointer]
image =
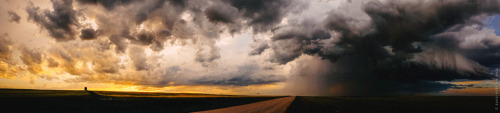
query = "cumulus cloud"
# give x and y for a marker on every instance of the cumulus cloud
(293, 40)
(121, 44)
(14, 17)
(138, 57)
(7, 67)
(88, 34)
(5, 51)
(222, 13)
(205, 55)
(244, 75)
(258, 49)
(33, 59)
(60, 22)
(155, 24)
(52, 62)
(110, 5)
(262, 14)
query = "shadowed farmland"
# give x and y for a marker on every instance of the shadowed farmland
(397, 104)
(16, 100)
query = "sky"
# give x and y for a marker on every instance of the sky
(252, 47)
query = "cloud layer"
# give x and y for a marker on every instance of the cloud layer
(395, 47)
(319, 47)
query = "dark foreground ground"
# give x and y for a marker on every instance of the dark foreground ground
(403, 104)
(67, 101)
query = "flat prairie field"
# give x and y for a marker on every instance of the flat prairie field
(71, 101)
(24, 100)
(394, 104)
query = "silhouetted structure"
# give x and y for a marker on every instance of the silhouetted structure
(85, 88)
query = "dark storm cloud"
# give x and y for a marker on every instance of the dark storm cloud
(144, 38)
(14, 17)
(121, 44)
(259, 49)
(487, 57)
(244, 76)
(263, 14)
(167, 12)
(418, 24)
(398, 49)
(59, 22)
(478, 43)
(291, 41)
(88, 34)
(147, 10)
(154, 39)
(108, 4)
(221, 13)
(242, 80)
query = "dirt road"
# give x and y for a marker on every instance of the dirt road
(269, 106)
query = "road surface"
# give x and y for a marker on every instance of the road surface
(269, 106)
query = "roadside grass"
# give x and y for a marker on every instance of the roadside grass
(40, 93)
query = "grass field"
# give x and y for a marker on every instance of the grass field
(68, 101)
(398, 104)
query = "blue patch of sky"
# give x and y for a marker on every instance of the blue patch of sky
(494, 22)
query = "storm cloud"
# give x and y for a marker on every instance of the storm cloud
(400, 48)
(244, 75)
(108, 4)
(222, 13)
(262, 14)
(88, 34)
(258, 49)
(60, 23)
(353, 47)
